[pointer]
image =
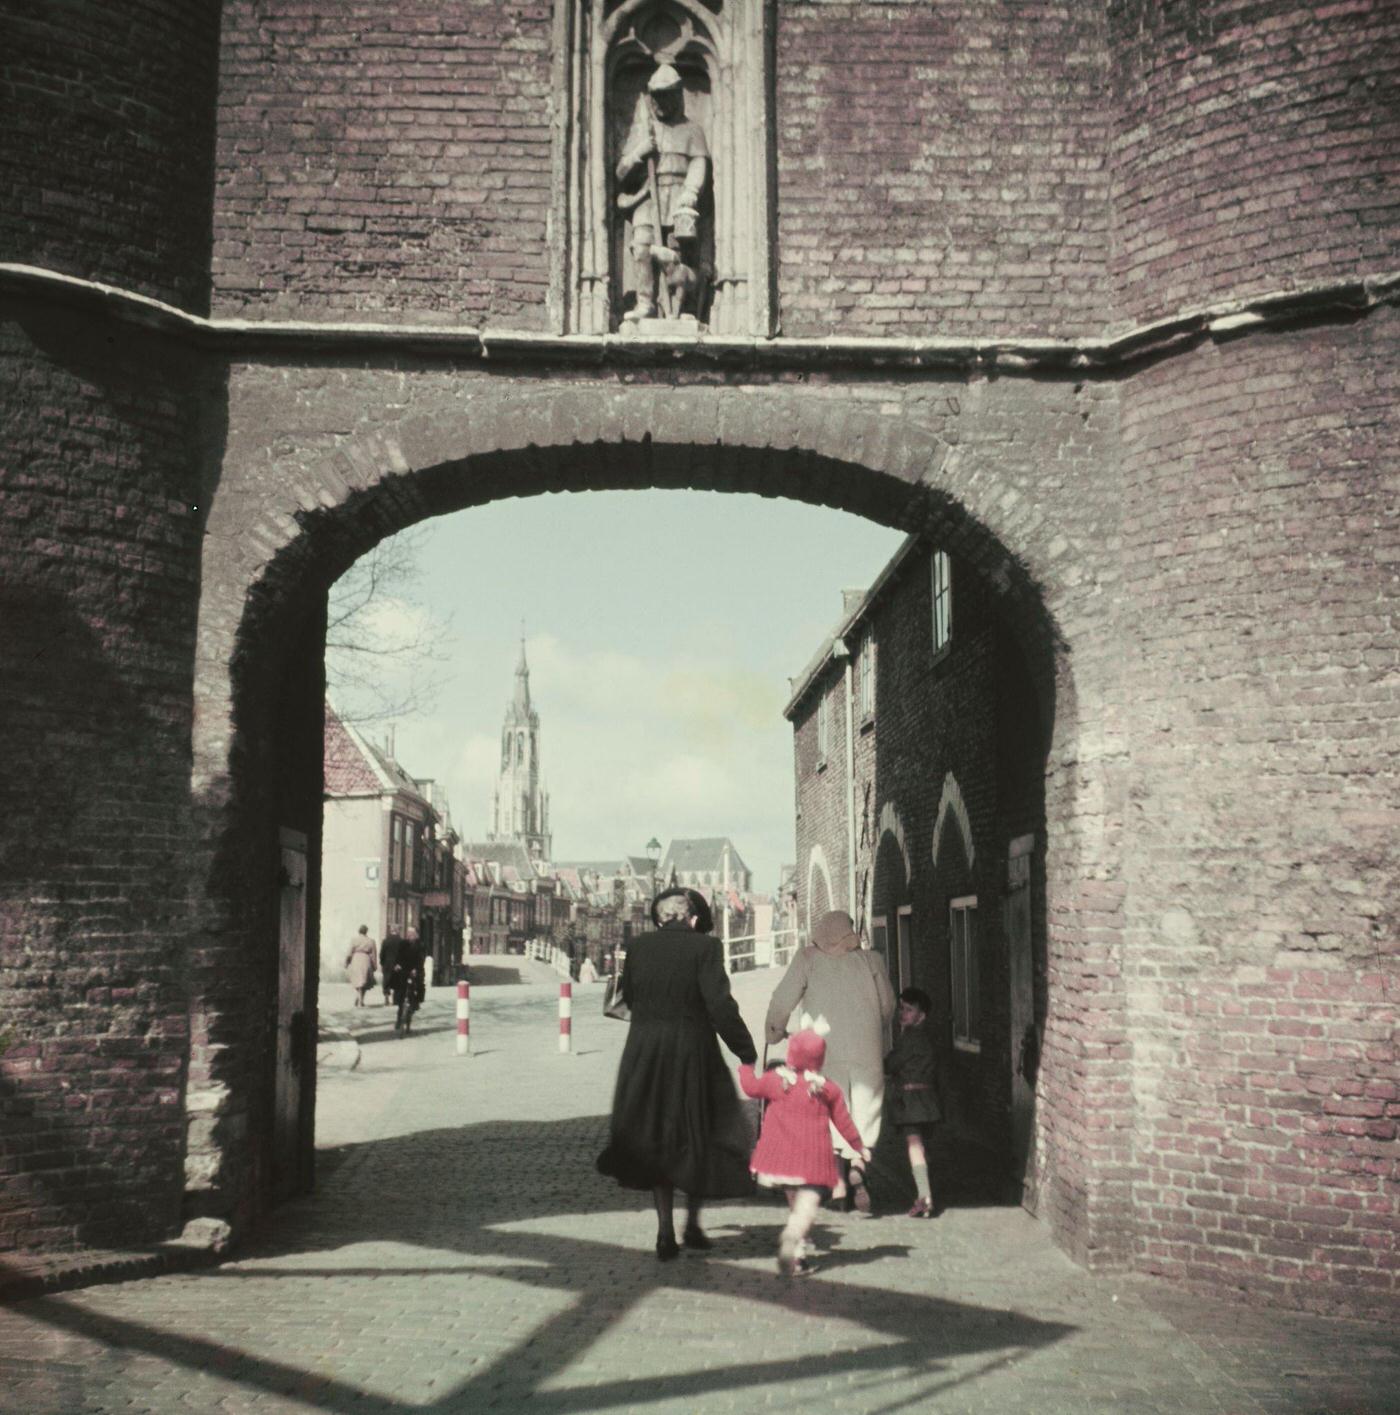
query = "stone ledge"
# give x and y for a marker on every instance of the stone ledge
(204, 1243)
(1325, 301)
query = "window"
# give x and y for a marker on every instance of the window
(967, 1007)
(867, 676)
(942, 600)
(879, 936)
(823, 728)
(904, 931)
(396, 849)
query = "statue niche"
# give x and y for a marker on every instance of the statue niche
(665, 155)
(663, 239)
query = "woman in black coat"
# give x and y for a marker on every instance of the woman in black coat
(676, 1117)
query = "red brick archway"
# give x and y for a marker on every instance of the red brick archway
(282, 528)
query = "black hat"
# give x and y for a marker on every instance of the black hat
(698, 905)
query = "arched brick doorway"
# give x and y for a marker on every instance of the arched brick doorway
(291, 513)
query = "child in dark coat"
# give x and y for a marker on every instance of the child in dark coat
(794, 1147)
(915, 1091)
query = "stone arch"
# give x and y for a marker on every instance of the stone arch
(891, 841)
(892, 824)
(278, 531)
(817, 866)
(952, 807)
(283, 525)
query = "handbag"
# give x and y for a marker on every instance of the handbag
(614, 1004)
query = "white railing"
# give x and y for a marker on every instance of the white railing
(769, 950)
(545, 952)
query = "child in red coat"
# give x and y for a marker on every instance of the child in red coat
(794, 1147)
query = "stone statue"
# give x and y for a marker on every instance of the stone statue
(663, 170)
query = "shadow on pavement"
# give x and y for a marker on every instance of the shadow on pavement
(514, 1173)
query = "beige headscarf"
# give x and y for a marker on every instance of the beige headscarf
(835, 933)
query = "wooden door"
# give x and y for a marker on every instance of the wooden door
(293, 1032)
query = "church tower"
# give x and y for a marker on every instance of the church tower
(522, 807)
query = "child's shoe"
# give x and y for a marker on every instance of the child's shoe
(923, 1208)
(789, 1255)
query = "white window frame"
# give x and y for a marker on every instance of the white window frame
(903, 946)
(965, 973)
(941, 578)
(867, 677)
(823, 728)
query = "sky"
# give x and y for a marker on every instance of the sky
(661, 630)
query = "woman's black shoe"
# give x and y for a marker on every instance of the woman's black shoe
(696, 1237)
(666, 1248)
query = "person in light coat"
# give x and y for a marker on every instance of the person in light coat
(843, 992)
(360, 963)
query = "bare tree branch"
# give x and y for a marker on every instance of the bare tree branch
(386, 651)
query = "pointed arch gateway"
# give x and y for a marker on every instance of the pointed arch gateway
(281, 529)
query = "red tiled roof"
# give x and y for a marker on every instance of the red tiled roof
(348, 772)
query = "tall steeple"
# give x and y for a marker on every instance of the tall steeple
(522, 685)
(522, 808)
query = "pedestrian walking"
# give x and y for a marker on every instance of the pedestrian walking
(410, 986)
(676, 1118)
(844, 992)
(360, 963)
(916, 1092)
(587, 973)
(794, 1151)
(388, 962)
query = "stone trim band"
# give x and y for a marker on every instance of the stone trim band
(1329, 301)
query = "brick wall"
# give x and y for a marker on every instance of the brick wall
(1255, 147)
(376, 160)
(941, 168)
(821, 804)
(107, 140)
(106, 440)
(1261, 916)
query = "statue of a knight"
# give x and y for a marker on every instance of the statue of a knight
(664, 166)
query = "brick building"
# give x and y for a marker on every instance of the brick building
(378, 842)
(389, 854)
(1099, 299)
(919, 759)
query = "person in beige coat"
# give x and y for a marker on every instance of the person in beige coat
(842, 991)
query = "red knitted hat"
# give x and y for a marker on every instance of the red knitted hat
(806, 1051)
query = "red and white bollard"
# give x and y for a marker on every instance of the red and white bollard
(464, 1018)
(566, 1016)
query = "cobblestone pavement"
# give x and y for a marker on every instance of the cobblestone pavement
(461, 1254)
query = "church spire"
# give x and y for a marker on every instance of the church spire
(522, 681)
(521, 805)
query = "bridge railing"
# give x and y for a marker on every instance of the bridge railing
(768, 950)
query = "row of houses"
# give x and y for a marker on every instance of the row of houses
(919, 754)
(393, 861)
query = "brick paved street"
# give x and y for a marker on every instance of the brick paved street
(461, 1254)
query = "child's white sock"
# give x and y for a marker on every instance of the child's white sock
(921, 1180)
